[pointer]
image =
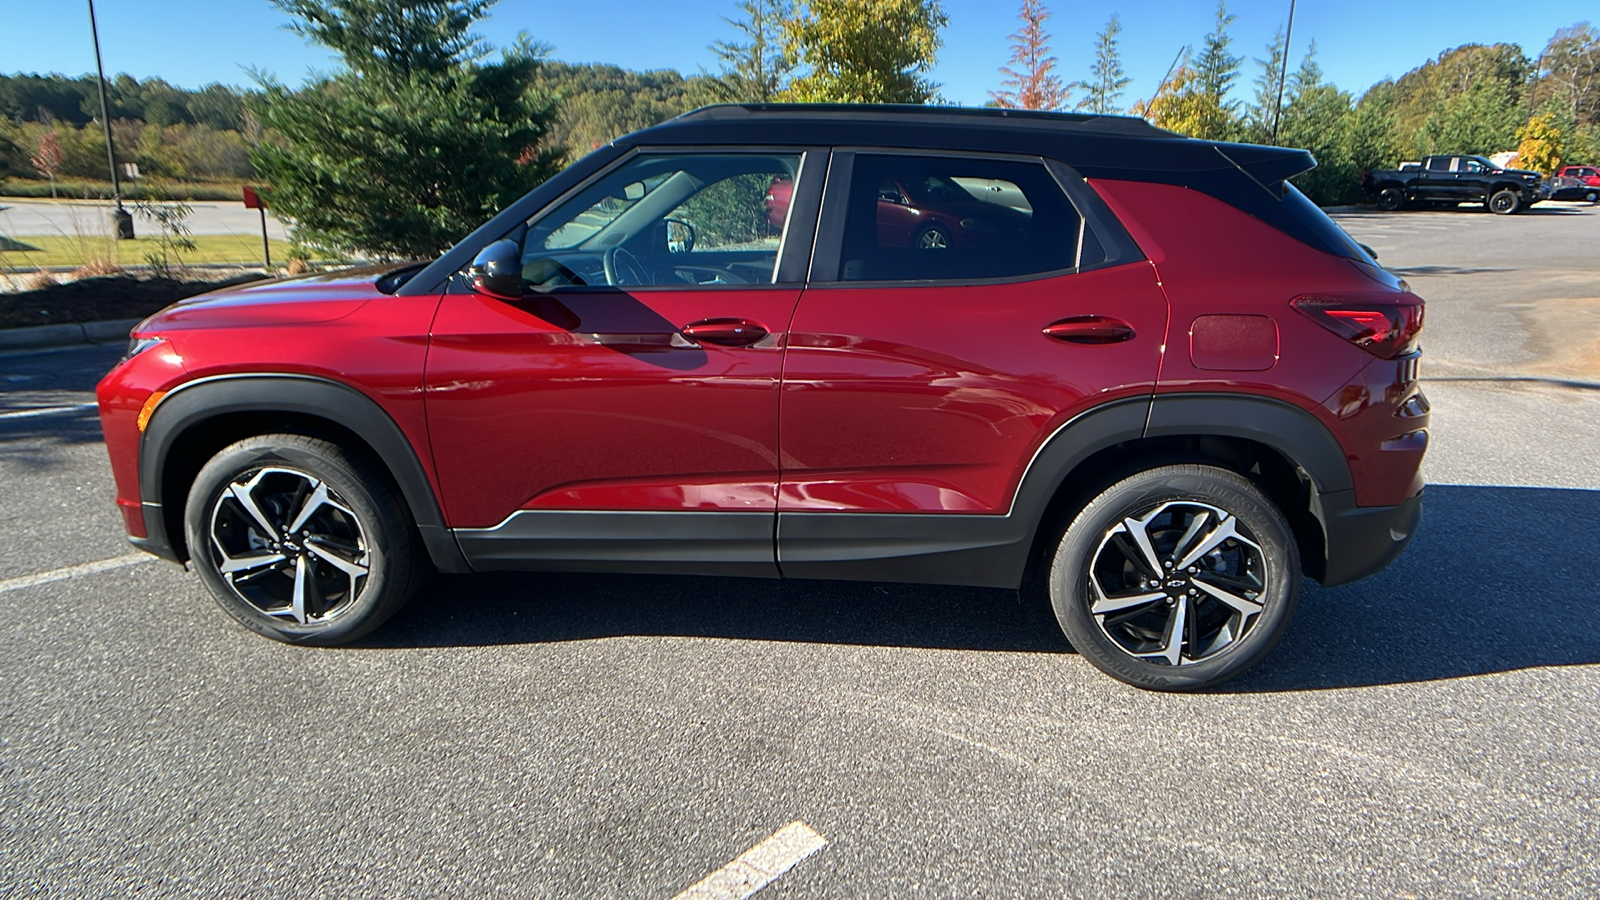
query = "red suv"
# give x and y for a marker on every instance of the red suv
(1164, 389)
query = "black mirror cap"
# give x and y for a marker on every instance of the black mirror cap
(497, 270)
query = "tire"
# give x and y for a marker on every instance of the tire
(933, 237)
(1593, 197)
(1504, 203)
(301, 540)
(1233, 603)
(1391, 199)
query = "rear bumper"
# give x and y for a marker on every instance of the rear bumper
(1363, 540)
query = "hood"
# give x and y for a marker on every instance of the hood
(303, 300)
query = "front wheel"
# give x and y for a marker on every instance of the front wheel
(1593, 197)
(1177, 578)
(301, 540)
(1504, 203)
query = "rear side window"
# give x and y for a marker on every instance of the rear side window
(921, 218)
(1326, 232)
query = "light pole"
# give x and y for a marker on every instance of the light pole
(120, 219)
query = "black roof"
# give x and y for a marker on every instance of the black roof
(1097, 146)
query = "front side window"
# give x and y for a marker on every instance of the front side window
(916, 218)
(667, 220)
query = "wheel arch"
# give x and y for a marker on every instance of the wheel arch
(1285, 451)
(197, 419)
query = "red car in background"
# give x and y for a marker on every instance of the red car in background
(1577, 183)
(932, 212)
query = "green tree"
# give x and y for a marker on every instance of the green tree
(1034, 85)
(1106, 78)
(1262, 116)
(865, 51)
(599, 103)
(419, 139)
(1540, 145)
(1318, 116)
(1470, 99)
(1215, 71)
(756, 68)
(1372, 132)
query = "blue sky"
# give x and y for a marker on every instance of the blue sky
(1359, 42)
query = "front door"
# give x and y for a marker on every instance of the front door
(625, 410)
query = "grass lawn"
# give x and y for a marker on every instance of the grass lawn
(72, 250)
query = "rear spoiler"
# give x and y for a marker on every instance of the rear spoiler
(1269, 167)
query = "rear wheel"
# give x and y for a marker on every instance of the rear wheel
(300, 540)
(1390, 199)
(1177, 578)
(1504, 203)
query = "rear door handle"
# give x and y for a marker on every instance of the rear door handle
(1089, 330)
(725, 332)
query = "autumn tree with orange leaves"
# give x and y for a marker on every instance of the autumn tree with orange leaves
(1033, 84)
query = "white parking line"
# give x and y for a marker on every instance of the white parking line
(759, 866)
(45, 411)
(89, 568)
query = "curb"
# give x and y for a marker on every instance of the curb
(36, 337)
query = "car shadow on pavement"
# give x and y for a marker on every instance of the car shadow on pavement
(1497, 579)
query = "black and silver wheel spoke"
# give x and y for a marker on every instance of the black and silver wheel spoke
(1177, 583)
(286, 543)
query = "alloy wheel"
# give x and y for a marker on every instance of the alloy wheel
(288, 545)
(1177, 584)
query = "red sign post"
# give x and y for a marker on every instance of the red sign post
(252, 200)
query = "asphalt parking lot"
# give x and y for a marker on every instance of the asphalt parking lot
(1431, 731)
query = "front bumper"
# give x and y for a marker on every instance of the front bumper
(1363, 540)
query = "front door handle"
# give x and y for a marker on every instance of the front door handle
(1089, 330)
(725, 332)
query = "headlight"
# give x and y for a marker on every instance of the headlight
(138, 345)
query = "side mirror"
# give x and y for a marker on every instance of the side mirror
(1370, 252)
(680, 236)
(497, 270)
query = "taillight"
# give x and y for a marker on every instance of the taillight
(1386, 327)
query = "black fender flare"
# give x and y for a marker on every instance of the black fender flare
(1288, 429)
(192, 403)
(1292, 432)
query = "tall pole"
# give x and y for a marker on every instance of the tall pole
(119, 217)
(1283, 74)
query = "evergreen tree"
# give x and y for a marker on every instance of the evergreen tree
(1034, 84)
(1372, 139)
(1317, 117)
(757, 68)
(1215, 72)
(1264, 115)
(865, 51)
(416, 142)
(1106, 78)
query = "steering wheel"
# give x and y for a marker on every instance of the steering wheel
(623, 268)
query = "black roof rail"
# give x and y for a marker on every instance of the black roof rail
(1085, 122)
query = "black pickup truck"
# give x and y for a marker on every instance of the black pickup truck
(1452, 180)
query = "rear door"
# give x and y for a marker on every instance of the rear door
(920, 380)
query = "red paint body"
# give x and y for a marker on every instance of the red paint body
(927, 399)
